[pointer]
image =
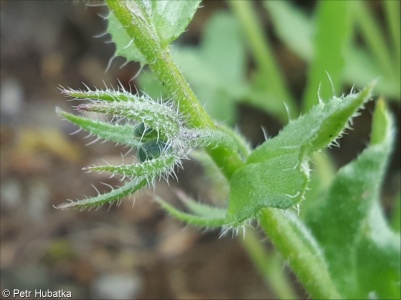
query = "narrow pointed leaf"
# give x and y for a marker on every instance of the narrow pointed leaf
(148, 169)
(196, 220)
(218, 183)
(285, 17)
(203, 210)
(155, 115)
(104, 95)
(110, 197)
(331, 38)
(121, 134)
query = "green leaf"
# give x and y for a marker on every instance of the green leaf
(114, 195)
(121, 134)
(148, 82)
(286, 17)
(349, 223)
(361, 67)
(170, 18)
(201, 138)
(124, 44)
(206, 221)
(203, 210)
(104, 95)
(324, 170)
(158, 116)
(165, 20)
(133, 19)
(216, 69)
(378, 257)
(259, 95)
(277, 172)
(199, 214)
(331, 39)
(392, 9)
(317, 129)
(375, 40)
(148, 169)
(379, 58)
(279, 182)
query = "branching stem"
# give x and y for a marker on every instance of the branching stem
(164, 68)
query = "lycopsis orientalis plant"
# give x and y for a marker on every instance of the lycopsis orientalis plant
(343, 248)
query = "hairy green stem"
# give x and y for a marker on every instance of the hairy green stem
(298, 247)
(161, 63)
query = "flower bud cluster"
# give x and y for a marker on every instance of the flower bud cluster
(155, 129)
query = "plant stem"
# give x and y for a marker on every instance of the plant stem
(299, 248)
(161, 63)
